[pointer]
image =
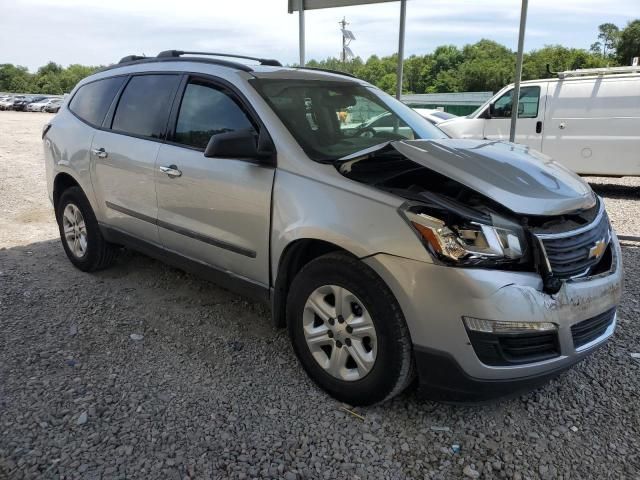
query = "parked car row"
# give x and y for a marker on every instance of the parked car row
(30, 103)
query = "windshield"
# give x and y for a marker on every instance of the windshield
(333, 119)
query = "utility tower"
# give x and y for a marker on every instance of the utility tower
(347, 38)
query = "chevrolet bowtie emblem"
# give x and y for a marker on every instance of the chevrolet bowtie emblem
(598, 249)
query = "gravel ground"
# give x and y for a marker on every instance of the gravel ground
(211, 390)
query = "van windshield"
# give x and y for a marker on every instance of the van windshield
(333, 119)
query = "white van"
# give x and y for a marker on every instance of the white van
(588, 120)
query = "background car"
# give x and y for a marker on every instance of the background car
(7, 102)
(21, 105)
(53, 106)
(39, 106)
(434, 116)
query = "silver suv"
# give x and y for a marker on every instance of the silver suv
(389, 251)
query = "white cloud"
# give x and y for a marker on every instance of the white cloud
(99, 32)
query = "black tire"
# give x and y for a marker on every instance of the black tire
(393, 369)
(99, 253)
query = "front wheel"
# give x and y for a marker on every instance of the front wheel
(348, 331)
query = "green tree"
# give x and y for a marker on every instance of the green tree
(14, 78)
(559, 58)
(608, 37)
(487, 66)
(629, 43)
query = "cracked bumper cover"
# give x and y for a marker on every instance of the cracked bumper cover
(434, 299)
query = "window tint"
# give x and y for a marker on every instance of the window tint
(206, 111)
(92, 100)
(144, 106)
(529, 100)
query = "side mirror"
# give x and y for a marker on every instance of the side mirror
(244, 144)
(520, 108)
(491, 111)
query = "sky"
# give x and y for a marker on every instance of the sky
(90, 32)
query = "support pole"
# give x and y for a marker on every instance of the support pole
(301, 30)
(403, 15)
(515, 102)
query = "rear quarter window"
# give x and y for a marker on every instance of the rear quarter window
(92, 101)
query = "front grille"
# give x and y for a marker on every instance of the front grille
(588, 330)
(568, 253)
(514, 348)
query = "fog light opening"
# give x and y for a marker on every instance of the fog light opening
(494, 326)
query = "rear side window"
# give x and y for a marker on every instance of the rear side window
(144, 106)
(92, 101)
(206, 111)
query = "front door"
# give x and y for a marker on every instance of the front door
(214, 210)
(530, 118)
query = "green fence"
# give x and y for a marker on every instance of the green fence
(460, 104)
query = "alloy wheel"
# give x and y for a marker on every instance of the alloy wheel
(75, 230)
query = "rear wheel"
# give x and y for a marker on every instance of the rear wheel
(348, 331)
(81, 238)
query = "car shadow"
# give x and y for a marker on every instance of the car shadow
(613, 190)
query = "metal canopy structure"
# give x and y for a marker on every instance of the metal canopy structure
(515, 102)
(302, 5)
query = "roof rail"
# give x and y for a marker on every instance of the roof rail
(131, 58)
(582, 72)
(178, 53)
(328, 70)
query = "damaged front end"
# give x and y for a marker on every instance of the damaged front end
(477, 224)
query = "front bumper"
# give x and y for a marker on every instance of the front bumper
(434, 299)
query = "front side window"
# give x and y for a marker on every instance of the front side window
(92, 100)
(529, 100)
(334, 119)
(206, 111)
(144, 106)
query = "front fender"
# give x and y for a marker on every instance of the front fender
(354, 220)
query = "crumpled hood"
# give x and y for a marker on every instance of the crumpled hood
(523, 180)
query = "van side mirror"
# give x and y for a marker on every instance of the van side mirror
(520, 108)
(245, 144)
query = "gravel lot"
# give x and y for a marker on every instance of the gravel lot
(214, 391)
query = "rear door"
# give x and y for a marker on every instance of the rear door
(530, 118)
(124, 154)
(214, 210)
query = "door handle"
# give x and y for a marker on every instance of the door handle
(100, 152)
(538, 127)
(171, 171)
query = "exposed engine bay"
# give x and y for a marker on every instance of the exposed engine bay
(474, 230)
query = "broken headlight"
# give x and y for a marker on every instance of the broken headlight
(468, 242)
